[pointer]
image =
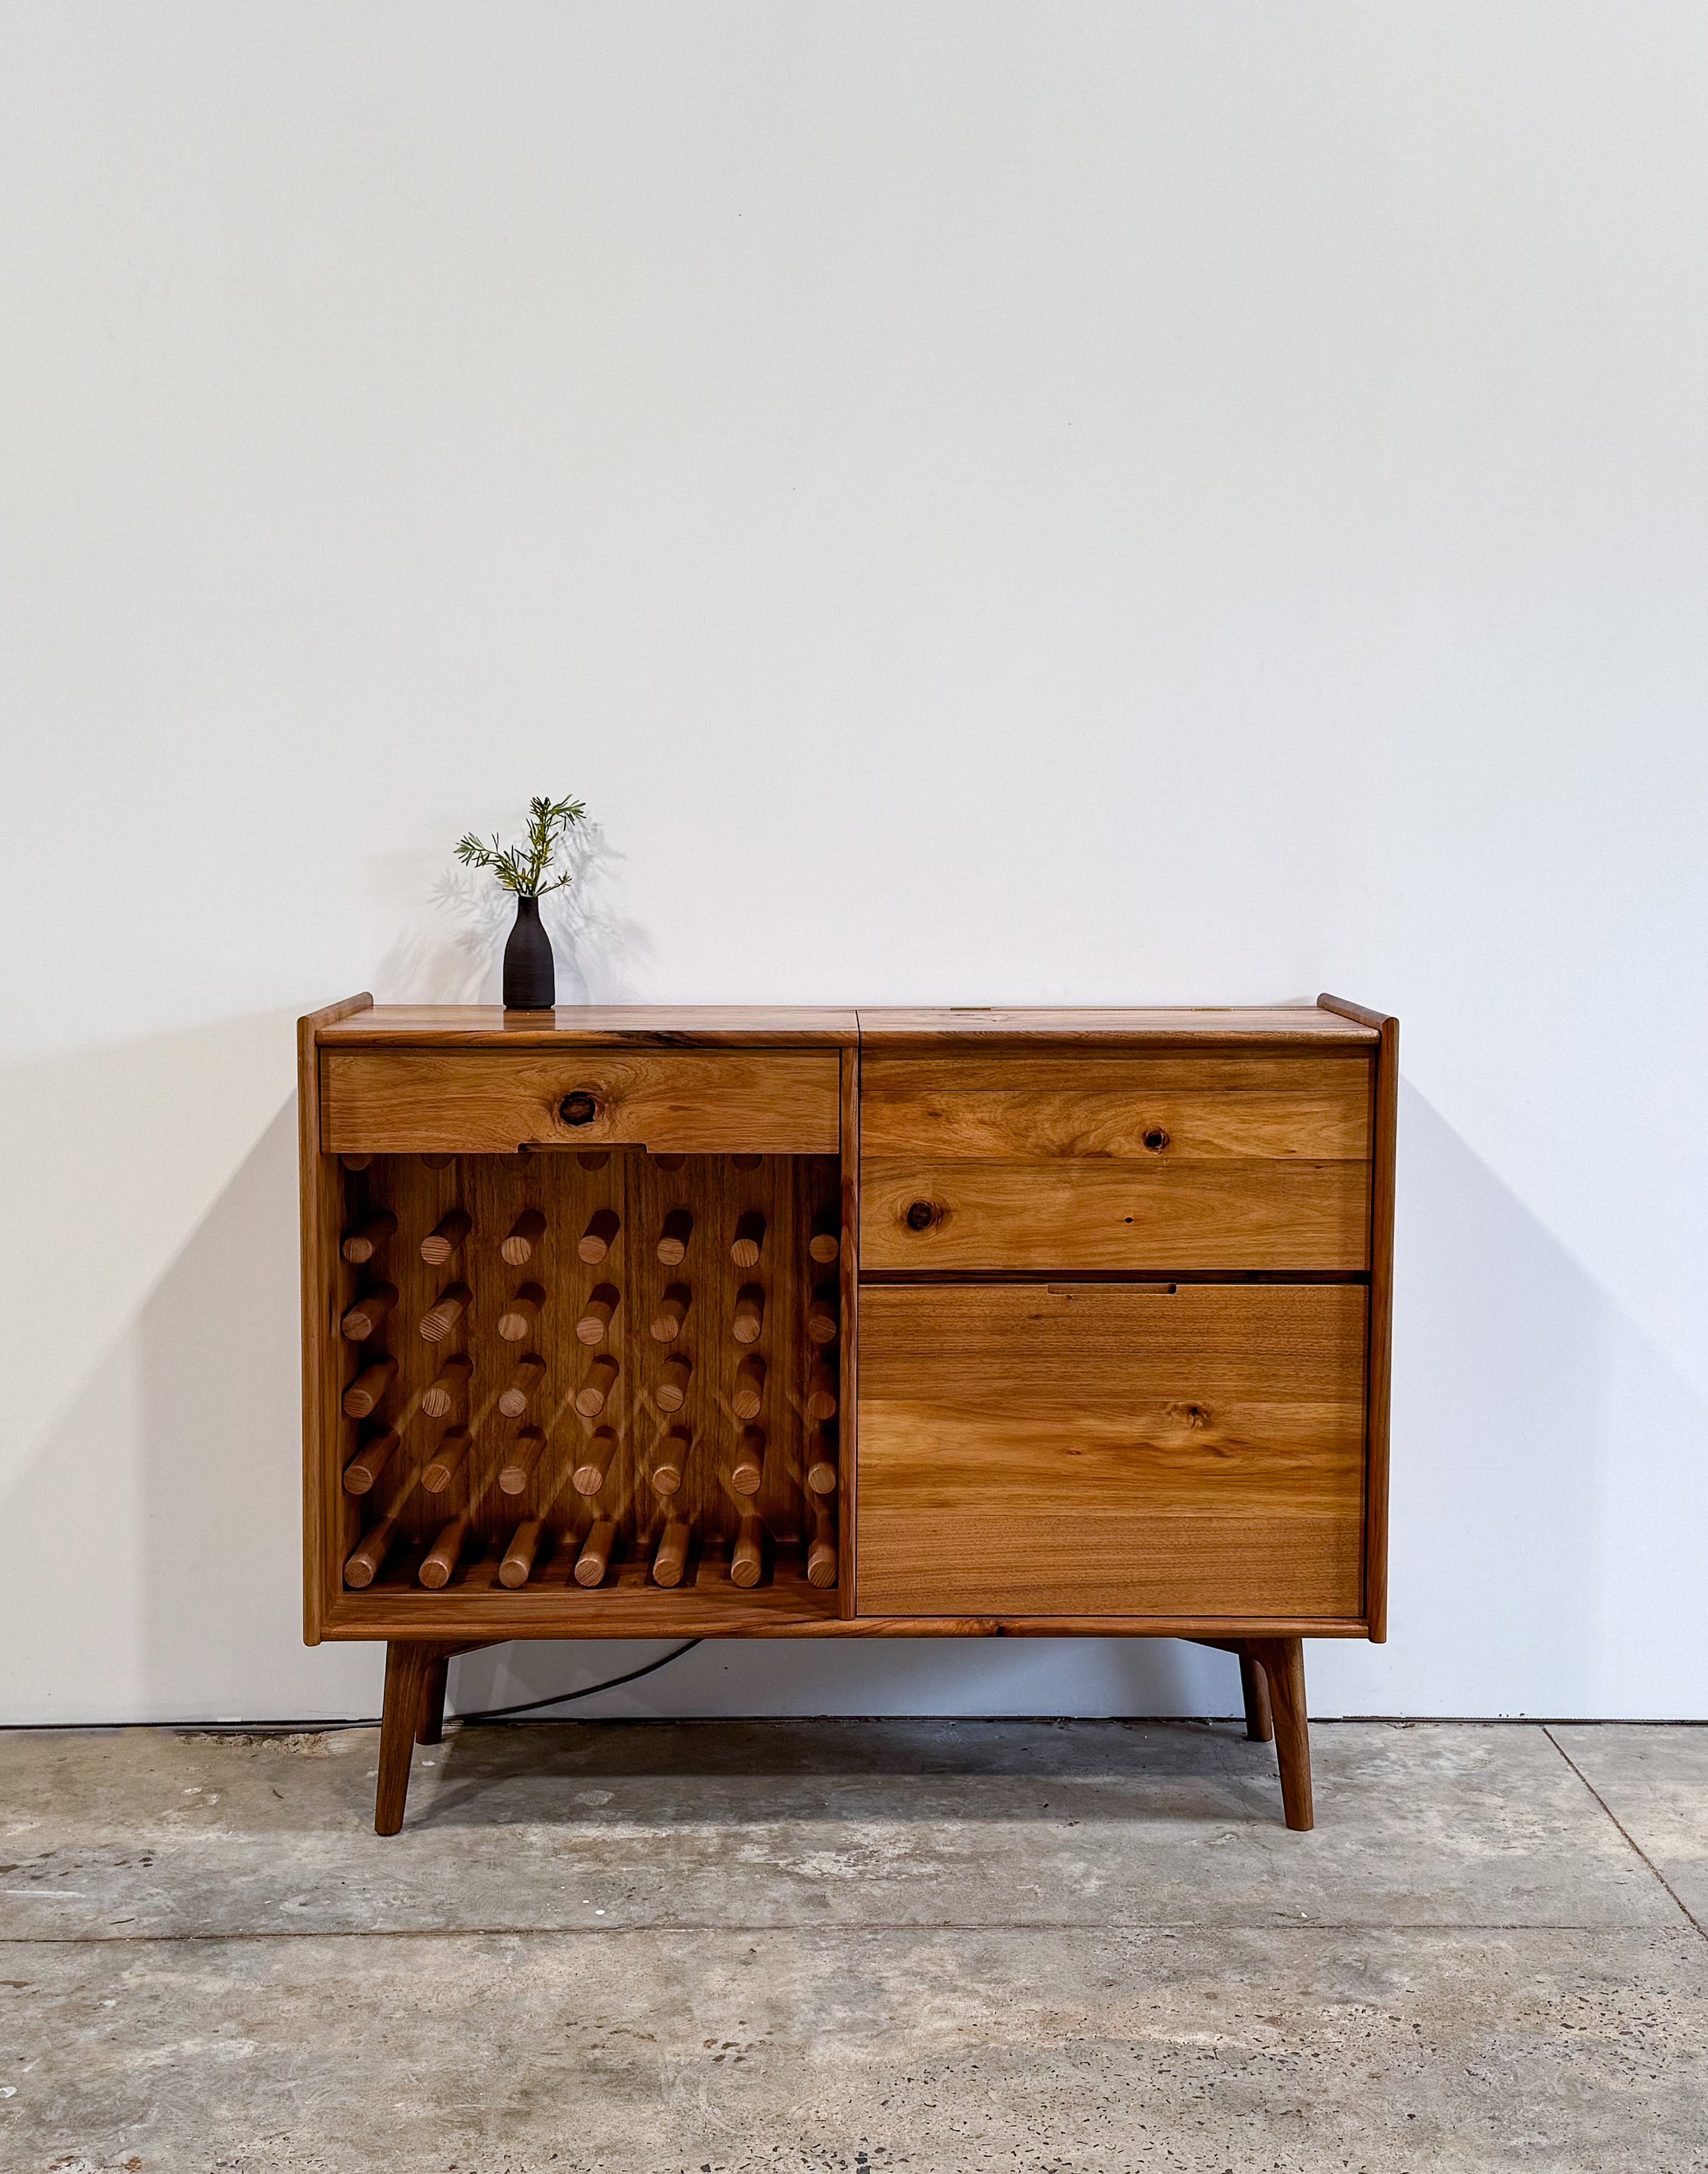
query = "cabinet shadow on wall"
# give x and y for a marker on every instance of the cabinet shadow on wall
(1522, 1389)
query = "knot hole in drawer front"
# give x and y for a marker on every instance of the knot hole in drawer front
(922, 1215)
(579, 1107)
(1155, 1139)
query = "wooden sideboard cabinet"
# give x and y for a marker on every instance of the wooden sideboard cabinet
(649, 1323)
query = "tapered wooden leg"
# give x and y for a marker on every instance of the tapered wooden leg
(1272, 1676)
(1254, 1688)
(1283, 1663)
(408, 1662)
(431, 1727)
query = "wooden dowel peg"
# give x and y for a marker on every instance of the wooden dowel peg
(518, 1561)
(671, 1311)
(750, 1387)
(441, 1558)
(595, 1558)
(821, 1556)
(821, 1467)
(525, 1453)
(362, 1565)
(443, 1240)
(369, 1309)
(445, 1312)
(518, 1394)
(369, 1387)
(369, 1236)
(595, 1241)
(523, 1236)
(601, 1376)
(671, 1392)
(821, 1315)
(446, 1461)
(672, 1558)
(369, 1461)
(521, 1313)
(750, 1317)
(749, 1240)
(673, 1239)
(670, 1460)
(589, 1476)
(749, 1560)
(746, 1161)
(438, 1161)
(355, 1162)
(748, 1468)
(825, 1244)
(447, 1385)
(821, 1392)
(595, 1315)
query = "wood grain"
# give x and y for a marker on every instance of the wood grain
(1088, 1448)
(1229, 1027)
(1123, 1217)
(574, 1026)
(491, 1102)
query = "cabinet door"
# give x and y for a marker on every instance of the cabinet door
(1112, 1449)
(1028, 1160)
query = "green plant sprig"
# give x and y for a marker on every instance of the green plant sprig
(521, 867)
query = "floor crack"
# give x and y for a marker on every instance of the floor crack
(1631, 1841)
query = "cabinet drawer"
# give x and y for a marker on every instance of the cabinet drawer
(1029, 1161)
(1099, 1450)
(491, 1101)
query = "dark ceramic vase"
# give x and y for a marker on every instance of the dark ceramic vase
(530, 978)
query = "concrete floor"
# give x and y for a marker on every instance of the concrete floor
(1078, 1948)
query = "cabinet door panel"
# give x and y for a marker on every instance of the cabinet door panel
(1107, 1449)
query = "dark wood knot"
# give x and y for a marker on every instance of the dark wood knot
(578, 1109)
(1156, 1139)
(920, 1214)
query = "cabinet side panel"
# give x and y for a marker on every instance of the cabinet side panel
(318, 1198)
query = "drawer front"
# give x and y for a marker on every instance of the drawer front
(1102, 1450)
(1126, 1163)
(491, 1102)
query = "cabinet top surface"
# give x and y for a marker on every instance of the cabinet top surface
(712, 1026)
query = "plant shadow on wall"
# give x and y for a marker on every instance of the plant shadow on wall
(459, 959)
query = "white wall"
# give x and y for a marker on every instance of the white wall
(992, 502)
